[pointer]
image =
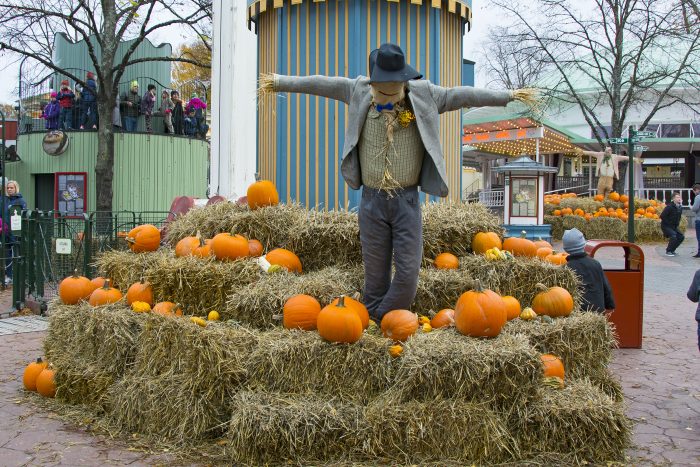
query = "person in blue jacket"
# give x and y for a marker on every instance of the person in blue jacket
(12, 201)
(89, 97)
(51, 112)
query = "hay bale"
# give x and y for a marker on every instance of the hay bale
(272, 428)
(587, 204)
(583, 340)
(649, 230)
(440, 288)
(260, 304)
(557, 224)
(444, 364)
(302, 362)
(79, 382)
(450, 227)
(579, 421)
(609, 228)
(208, 220)
(578, 222)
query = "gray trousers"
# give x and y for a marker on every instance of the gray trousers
(390, 226)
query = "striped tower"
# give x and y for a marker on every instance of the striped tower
(300, 137)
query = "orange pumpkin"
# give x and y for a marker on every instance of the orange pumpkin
(31, 373)
(539, 243)
(512, 307)
(203, 250)
(543, 252)
(555, 258)
(105, 295)
(262, 193)
(651, 210)
(640, 211)
(143, 238)
(301, 312)
(446, 261)
(553, 366)
(399, 325)
(358, 307)
(140, 291)
(614, 196)
(255, 248)
(598, 197)
(579, 212)
(443, 319)
(45, 383)
(480, 313)
(554, 302)
(485, 241)
(168, 309)
(339, 323)
(284, 258)
(557, 212)
(229, 247)
(186, 246)
(624, 198)
(567, 211)
(74, 288)
(98, 282)
(520, 246)
(555, 201)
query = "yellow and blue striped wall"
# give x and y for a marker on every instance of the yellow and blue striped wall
(300, 137)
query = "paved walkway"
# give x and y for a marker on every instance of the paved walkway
(661, 383)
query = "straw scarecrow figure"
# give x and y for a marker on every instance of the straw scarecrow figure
(391, 150)
(607, 168)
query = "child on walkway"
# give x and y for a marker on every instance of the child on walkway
(65, 99)
(166, 110)
(50, 113)
(147, 104)
(693, 293)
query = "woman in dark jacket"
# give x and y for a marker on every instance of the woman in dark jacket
(178, 113)
(13, 201)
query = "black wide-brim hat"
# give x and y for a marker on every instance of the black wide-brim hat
(388, 63)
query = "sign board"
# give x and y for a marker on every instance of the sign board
(641, 148)
(503, 135)
(16, 222)
(646, 134)
(63, 246)
(617, 140)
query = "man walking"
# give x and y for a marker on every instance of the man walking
(670, 218)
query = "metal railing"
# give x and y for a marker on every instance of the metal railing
(492, 198)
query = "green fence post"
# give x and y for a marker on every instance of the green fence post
(87, 244)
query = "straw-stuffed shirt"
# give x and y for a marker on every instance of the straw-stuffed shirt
(388, 162)
(607, 168)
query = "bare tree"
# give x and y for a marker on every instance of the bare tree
(28, 28)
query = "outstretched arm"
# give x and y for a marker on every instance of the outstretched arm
(591, 153)
(337, 88)
(466, 96)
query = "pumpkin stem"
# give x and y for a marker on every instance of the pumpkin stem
(106, 286)
(39, 360)
(523, 234)
(541, 286)
(477, 286)
(176, 307)
(130, 239)
(257, 177)
(341, 301)
(75, 273)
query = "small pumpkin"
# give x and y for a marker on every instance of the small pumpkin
(285, 259)
(140, 291)
(262, 193)
(213, 315)
(446, 261)
(543, 252)
(427, 327)
(615, 196)
(203, 250)
(98, 282)
(483, 241)
(31, 373)
(140, 307)
(168, 309)
(339, 323)
(229, 247)
(105, 295)
(553, 301)
(395, 350)
(512, 307)
(528, 314)
(45, 383)
(520, 246)
(359, 308)
(480, 313)
(443, 319)
(556, 258)
(255, 248)
(539, 243)
(74, 288)
(399, 325)
(187, 245)
(301, 312)
(198, 321)
(144, 238)
(423, 319)
(553, 366)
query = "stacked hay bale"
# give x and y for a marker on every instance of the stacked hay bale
(280, 395)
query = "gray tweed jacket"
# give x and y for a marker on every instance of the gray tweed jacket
(427, 100)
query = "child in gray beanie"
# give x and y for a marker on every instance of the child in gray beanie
(597, 294)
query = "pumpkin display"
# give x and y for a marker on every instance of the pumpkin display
(285, 259)
(203, 250)
(339, 323)
(213, 315)
(358, 307)
(74, 288)
(528, 314)
(512, 307)
(615, 196)
(543, 252)
(143, 238)
(553, 366)
(168, 309)
(598, 198)
(262, 193)
(520, 246)
(301, 312)
(255, 248)
(140, 291)
(45, 383)
(98, 282)
(399, 325)
(31, 373)
(395, 350)
(443, 318)
(105, 295)
(446, 261)
(480, 313)
(140, 307)
(229, 247)
(554, 302)
(485, 241)
(624, 198)
(187, 245)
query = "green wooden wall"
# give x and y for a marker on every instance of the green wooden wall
(149, 170)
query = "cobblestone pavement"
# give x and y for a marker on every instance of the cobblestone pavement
(661, 383)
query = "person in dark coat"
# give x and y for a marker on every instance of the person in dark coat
(178, 113)
(597, 295)
(51, 112)
(693, 295)
(12, 201)
(670, 219)
(88, 118)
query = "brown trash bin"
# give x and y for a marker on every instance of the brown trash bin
(628, 289)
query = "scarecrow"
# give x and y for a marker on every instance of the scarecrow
(391, 150)
(607, 169)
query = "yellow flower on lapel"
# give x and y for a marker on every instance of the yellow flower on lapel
(406, 117)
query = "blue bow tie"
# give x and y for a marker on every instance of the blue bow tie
(381, 107)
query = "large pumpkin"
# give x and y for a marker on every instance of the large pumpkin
(284, 258)
(145, 237)
(168, 309)
(255, 248)
(443, 319)
(187, 245)
(446, 261)
(31, 373)
(45, 383)
(512, 307)
(480, 313)
(74, 288)
(228, 247)
(399, 325)
(485, 241)
(358, 307)
(339, 323)
(140, 291)
(105, 295)
(520, 246)
(553, 366)
(262, 193)
(301, 312)
(554, 302)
